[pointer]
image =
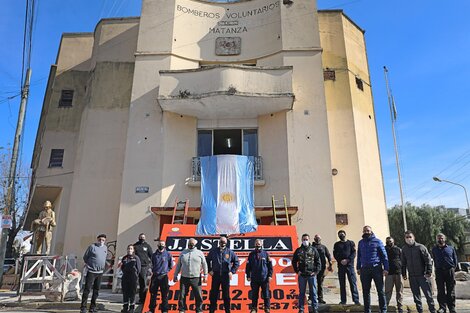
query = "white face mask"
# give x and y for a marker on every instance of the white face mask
(305, 243)
(410, 241)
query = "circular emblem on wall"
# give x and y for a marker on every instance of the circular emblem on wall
(175, 229)
(227, 197)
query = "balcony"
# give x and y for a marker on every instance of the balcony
(196, 171)
(226, 91)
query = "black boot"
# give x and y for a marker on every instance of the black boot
(132, 308)
(125, 308)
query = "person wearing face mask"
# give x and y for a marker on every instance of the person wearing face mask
(344, 252)
(416, 260)
(95, 261)
(144, 251)
(162, 263)
(306, 263)
(190, 262)
(222, 264)
(445, 263)
(130, 267)
(324, 257)
(372, 264)
(259, 272)
(394, 278)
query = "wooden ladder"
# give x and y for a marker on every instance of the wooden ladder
(280, 213)
(180, 212)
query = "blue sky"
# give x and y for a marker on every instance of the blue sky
(425, 45)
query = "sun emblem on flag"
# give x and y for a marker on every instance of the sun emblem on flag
(227, 197)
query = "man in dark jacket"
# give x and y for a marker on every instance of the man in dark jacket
(394, 273)
(344, 252)
(372, 264)
(306, 263)
(416, 259)
(162, 263)
(445, 263)
(222, 263)
(144, 251)
(324, 257)
(259, 272)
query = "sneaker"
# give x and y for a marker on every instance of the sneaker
(342, 303)
(82, 310)
(322, 301)
(357, 303)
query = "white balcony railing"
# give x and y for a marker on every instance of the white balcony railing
(196, 169)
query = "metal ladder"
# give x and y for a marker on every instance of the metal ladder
(280, 213)
(180, 212)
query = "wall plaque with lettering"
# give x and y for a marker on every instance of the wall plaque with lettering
(228, 45)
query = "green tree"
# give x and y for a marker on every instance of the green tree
(426, 222)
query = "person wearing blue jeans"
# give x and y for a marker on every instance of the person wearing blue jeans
(344, 251)
(306, 263)
(372, 264)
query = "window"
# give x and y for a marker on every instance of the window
(227, 141)
(204, 143)
(57, 156)
(359, 83)
(66, 99)
(329, 74)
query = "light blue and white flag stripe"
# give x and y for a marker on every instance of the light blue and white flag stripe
(227, 189)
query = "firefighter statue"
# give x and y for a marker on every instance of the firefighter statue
(42, 228)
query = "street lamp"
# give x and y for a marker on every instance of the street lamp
(464, 189)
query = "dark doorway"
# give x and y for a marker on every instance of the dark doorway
(227, 141)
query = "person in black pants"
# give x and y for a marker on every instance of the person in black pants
(162, 263)
(95, 262)
(394, 278)
(324, 257)
(445, 263)
(130, 267)
(372, 265)
(222, 263)
(144, 251)
(344, 252)
(259, 272)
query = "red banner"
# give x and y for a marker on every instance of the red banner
(279, 241)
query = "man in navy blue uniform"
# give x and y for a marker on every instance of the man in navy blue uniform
(259, 272)
(222, 264)
(445, 263)
(344, 252)
(372, 264)
(162, 263)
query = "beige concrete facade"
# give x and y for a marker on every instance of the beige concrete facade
(144, 87)
(358, 187)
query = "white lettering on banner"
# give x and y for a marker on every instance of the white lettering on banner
(286, 279)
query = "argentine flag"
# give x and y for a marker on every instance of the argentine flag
(227, 189)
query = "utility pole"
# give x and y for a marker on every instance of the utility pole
(10, 195)
(393, 116)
